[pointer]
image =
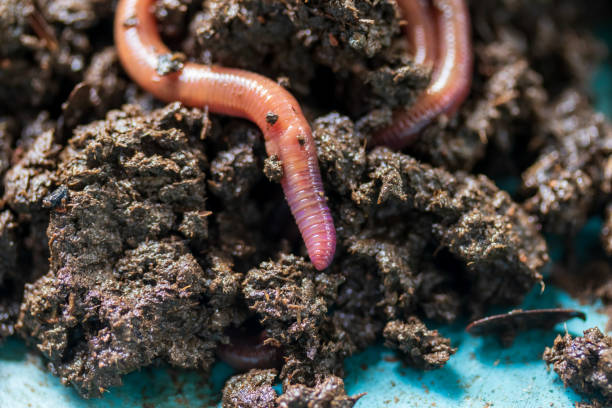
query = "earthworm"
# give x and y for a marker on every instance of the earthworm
(239, 93)
(451, 53)
(420, 29)
(245, 352)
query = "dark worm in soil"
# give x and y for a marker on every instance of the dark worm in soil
(245, 352)
(237, 93)
(439, 36)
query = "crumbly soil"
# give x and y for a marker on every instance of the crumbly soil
(133, 232)
(584, 363)
(251, 390)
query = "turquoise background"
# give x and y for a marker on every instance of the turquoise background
(480, 373)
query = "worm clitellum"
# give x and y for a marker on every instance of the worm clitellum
(237, 93)
(439, 35)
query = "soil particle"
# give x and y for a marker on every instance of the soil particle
(606, 231)
(80, 14)
(13, 24)
(273, 168)
(28, 182)
(234, 172)
(271, 118)
(57, 199)
(584, 363)
(358, 320)
(341, 152)
(250, 390)
(419, 347)
(291, 298)
(327, 393)
(511, 93)
(8, 245)
(101, 90)
(169, 63)
(590, 404)
(194, 226)
(7, 137)
(569, 179)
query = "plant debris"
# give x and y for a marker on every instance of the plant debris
(584, 363)
(506, 326)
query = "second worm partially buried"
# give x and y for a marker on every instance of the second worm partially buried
(439, 34)
(237, 93)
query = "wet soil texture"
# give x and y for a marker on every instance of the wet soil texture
(133, 232)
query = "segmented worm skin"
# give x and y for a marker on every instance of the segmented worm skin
(237, 93)
(247, 352)
(447, 26)
(420, 29)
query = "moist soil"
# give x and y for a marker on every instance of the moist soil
(133, 232)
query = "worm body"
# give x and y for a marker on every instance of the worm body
(237, 93)
(420, 29)
(249, 351)
(447, 24)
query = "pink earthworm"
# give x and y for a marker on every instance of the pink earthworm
(448, 24)
(245, 352)
(420, 29)
(239, 93)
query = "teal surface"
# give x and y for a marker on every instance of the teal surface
(481, 374)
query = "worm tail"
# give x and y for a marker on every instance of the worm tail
(304, 191)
